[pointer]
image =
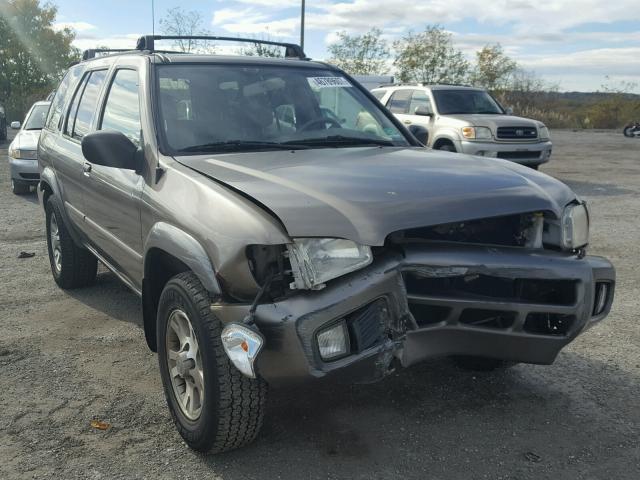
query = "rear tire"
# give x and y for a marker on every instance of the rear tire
(214, 407)
(71, 266)
(19, 188)
(628, 131)
(481, 364)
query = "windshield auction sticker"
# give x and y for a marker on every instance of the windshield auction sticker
(328, 82)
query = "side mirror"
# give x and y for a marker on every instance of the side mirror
(508, 111)
(111, 149)
(15, 125)
(423, 111)
(421, 133)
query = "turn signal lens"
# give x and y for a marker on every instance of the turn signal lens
(242, 345)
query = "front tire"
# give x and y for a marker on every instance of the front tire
(628, 131)
(72, 266)
(447, 147)
(214, 407)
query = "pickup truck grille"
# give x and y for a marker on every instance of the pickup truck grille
(517, 133)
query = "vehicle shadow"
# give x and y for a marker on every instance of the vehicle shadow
(437, 421)
(111, 297)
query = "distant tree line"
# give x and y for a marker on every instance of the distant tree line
(34, 55)
(430, 57)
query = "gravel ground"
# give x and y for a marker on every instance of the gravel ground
(69, 358)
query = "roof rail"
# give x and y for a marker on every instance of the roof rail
(91, 53)
(407, 84)
(147, 42)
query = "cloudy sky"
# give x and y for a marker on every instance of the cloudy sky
(574, 43)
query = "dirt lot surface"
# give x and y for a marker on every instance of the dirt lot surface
(68, 358)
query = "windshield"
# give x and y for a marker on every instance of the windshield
(37, 117)
(451, 102)
(220, 108)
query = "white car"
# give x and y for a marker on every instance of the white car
(468, 120)
(23, 151)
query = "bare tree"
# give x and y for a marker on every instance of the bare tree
(361, 54)
(263, 49)
(180, 22)
(430, 57)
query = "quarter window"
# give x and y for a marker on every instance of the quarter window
(63, 91)
(122, 109)
(399, 101)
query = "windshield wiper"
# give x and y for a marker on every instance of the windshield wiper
(334, 140)
(240, 145)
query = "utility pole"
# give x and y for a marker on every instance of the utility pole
(302, 26)
(153, 18)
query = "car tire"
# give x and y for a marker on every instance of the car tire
(72, 266)
(447, 147)
(481, 364)
(19, 188)
(214, 407)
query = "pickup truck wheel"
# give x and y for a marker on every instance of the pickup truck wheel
(215, 407)
(481, 364)
(72, 266)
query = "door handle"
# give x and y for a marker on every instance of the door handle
(407, 122)
(86, 169)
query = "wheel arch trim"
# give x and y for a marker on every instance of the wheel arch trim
(184, 247)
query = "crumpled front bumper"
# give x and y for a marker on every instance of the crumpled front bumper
(437, 300)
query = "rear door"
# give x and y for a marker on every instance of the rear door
(112, 195)
(398, 104)
(68, 160)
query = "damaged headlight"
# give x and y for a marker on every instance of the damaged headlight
(572, 231)
(315, 261)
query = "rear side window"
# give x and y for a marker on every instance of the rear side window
(399, 101)
(63, 92)
(122, 110)
(82, 111)
(379, 94)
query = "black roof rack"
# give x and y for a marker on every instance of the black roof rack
(147, 42)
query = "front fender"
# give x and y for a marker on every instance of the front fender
(185, 248)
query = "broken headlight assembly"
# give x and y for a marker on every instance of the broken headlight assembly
(571, 231)
(315, 261)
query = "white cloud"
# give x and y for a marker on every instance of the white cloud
(228, 16)
(114, 41)
(77, 26)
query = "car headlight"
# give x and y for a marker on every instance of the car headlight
(575, 226)
(23, 154)
(476, 133)
(315, 261)
(571, 231)
(543, 133)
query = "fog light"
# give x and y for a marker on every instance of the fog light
(242, 345)
(602, 291)
(333, 342)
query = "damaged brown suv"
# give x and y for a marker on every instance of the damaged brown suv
(280, 226)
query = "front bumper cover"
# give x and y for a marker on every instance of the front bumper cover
(290, 326)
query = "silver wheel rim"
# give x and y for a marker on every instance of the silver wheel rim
(54, 233)
(185, 364)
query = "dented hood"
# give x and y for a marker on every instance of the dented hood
(364, 194)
